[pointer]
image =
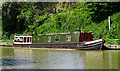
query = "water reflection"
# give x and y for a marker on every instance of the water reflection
(27, 58)
(58, 59)
(111, 59)
(0, 53)
(94, 60)
(14, 62)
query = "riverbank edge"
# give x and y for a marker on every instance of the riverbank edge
(6, 44)
(11, 45)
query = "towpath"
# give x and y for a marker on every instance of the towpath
(6, 44)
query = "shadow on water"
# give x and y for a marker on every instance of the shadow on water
(14, 62)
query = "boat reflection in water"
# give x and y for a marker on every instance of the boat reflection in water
(36, 58)
(0, 59)
(101, 59)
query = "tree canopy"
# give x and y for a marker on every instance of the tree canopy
(53, 17)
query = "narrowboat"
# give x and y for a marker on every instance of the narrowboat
(75, 40)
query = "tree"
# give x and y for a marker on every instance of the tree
(9, 18)
(35, 14)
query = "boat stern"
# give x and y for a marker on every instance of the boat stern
(92, 45)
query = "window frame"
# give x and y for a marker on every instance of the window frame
(55, 38)
(49, 38)
(68, 36)
(85, 37)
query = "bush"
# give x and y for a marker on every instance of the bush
(12, 37)
(5, 36)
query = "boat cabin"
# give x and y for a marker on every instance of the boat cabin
(84, 37)
(23, 39)
(54, 38)
(63, 37)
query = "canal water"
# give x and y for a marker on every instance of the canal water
(28, 58)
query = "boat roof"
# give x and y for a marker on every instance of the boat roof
(51, 34)
(58, 33)
(23, 36)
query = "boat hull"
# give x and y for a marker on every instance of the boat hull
(75, 45)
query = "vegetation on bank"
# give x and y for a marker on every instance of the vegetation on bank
(0, 29)
(44, 18)
(6, 41)
(112, 42)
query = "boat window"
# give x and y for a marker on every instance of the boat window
(21, 39)
(34, 38)
(85, 37)
(57, 38)
(24, 39)
(18, 39)
(49, 38)
(28, 39)
(38, 38)
(68, 38)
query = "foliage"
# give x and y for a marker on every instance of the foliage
(11, 36)
(42, 18)
(100, 11)
(112, 41)
(34, 15)
(10, 24)
(64, 22)
(0, 29)
(6, 41)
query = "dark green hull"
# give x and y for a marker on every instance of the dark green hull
(63, 40)
(76, 45)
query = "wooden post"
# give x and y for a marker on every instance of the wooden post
(109, 22)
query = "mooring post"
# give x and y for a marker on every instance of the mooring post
(109, 19)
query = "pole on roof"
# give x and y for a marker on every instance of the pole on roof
(79, 30)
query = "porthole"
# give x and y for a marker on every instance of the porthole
(57, 38)
(49, 38)
(68, 38)
(38, 38)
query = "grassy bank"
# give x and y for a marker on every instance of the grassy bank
(6, 41)
(112, 41)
